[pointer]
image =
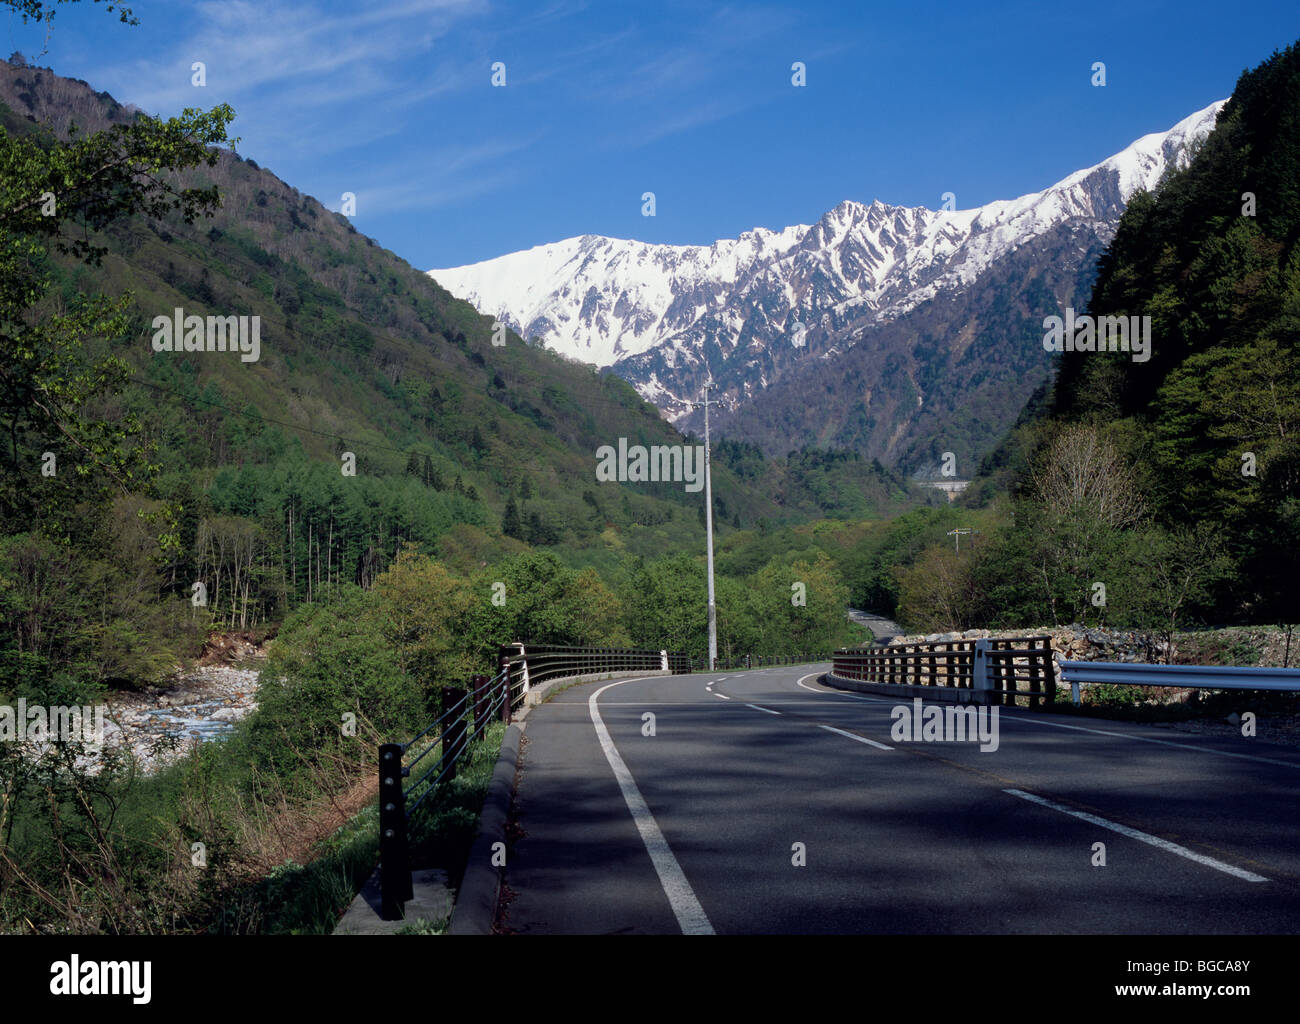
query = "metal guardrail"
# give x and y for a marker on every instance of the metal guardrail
(997, 671)
(1210, 677)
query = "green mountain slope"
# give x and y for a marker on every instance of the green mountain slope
(1202, 441)
(378, 412)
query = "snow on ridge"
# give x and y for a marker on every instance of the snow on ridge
(603, 299)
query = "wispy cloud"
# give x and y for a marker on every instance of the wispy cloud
(446, 175)
(286, 49)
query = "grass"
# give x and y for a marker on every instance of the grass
(445, 826)
(442, 831)
(438, 927)
(1144, 704)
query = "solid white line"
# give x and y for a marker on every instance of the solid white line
(855, 736)
(690, 915)
(1132, 833)
(1146, 739)
(674, 703)
(757, 708)
(840, 693)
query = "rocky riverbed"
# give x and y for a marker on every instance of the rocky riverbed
(159, 725)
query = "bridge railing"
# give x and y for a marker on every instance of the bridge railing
(529, 665)
(996, 671)
(743, 661)
(1211, 677)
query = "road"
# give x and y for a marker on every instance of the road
(694, 828)
(881, 628)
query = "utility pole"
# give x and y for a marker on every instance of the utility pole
(956, 535)
(708, 527)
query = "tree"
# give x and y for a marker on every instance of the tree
(938, 592)
(56, 361)
(511, 525)
(1179, 572)
(1080, 469)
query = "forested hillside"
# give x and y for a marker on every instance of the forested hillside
(378, 412)
(1164, 491)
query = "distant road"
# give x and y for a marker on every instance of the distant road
(881, 627)
(694, 828)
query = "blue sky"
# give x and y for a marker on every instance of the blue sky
(693, 101)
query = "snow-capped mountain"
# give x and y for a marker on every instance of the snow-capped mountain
(761, 304)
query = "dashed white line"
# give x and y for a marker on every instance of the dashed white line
(1143, 837)
(722, 695)
(1079, 728)
(757, 708)
(690, 915)
(855, 736)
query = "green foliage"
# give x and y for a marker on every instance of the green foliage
(330, 659)
(873, 583)
(1210, 424)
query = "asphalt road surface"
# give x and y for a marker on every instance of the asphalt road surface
(881, 628)
(767, 803)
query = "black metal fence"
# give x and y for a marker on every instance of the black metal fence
(465, 715)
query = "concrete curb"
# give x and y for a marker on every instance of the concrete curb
(938, 694)
(476, 902)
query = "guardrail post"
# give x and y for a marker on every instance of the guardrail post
(453, 730)
(479, 686)
(982, 674)
(394, 860)
(664, 656)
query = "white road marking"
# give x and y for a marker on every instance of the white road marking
(757, 708)
(1147, 739)
(840, 693)
(690, 915)
(855, 736)
(682, 703)
(1080, 728)
(1143, 837)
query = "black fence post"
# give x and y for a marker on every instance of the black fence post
(453, 729)
(479, 685)
(394, 858)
